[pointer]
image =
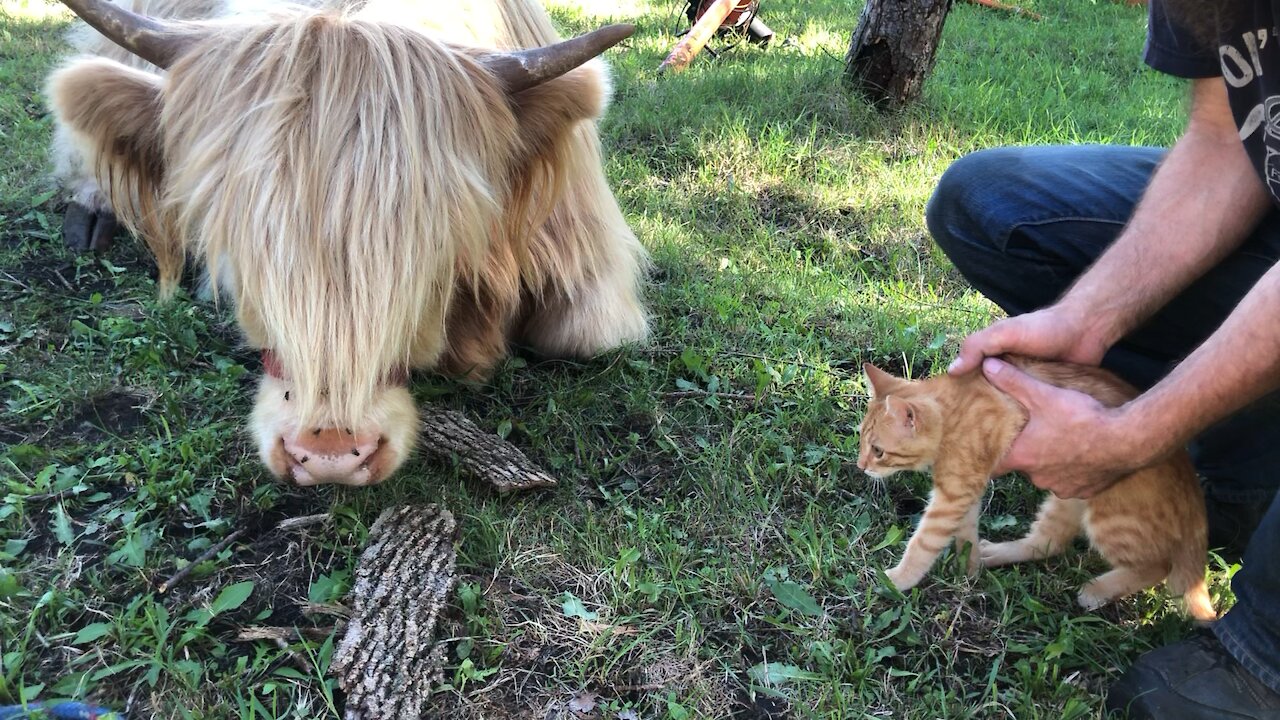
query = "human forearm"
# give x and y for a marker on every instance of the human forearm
(1202, 203)
(1237, 364)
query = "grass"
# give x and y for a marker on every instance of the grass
(704, 556)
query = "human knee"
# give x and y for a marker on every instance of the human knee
(960, 211)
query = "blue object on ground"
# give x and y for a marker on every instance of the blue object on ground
(66, 710)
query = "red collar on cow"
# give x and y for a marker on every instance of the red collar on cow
(272, 366)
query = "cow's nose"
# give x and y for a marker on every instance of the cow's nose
(333, 455)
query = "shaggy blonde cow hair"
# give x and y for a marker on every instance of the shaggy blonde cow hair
(366, 191)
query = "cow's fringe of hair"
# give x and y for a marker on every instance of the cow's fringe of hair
(343, 191)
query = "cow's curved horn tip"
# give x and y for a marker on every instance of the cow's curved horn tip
(624, 30)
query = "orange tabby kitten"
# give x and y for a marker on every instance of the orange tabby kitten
(1150, 525)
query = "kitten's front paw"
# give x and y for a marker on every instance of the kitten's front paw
(901, 578)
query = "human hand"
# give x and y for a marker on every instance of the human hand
(1053, 333)
(1072, 445)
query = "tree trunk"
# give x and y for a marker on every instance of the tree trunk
(893, 47)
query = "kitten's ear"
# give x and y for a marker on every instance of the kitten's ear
(879, 382)
(902, 411)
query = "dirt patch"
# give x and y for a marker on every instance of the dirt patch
(755, 706)
(282, 564)
(113, 415)
(47, 265)
(815, 226)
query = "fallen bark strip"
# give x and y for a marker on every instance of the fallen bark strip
(391, 655)
(996, 5)
(483, 454)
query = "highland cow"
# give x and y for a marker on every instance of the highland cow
(377, 187)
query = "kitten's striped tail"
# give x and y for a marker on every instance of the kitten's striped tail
(1187, 579)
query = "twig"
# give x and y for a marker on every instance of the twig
(304, 521)
(65, 284)
(38, 497)
(996, 5)
(338, 611)
(286, 634)
(281, 637)
(744, 397)
(284, 526)
(207, 554)
(9, 278)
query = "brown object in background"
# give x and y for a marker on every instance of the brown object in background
(696, 39)
(997, 5)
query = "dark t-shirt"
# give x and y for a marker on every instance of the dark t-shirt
(1247, 58)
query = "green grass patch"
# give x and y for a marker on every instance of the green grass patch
(712, 550)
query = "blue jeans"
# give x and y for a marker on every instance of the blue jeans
(1021, 223)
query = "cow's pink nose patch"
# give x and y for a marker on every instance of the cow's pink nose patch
(333, 456)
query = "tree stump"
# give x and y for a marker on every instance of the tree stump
(483, 454)
(893, 48)
(390, 656)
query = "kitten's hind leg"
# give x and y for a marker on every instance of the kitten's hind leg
(1117, 583)
(1057, 524)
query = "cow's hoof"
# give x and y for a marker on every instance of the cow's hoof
(84, 229)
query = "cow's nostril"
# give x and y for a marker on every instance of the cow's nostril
(332, 455)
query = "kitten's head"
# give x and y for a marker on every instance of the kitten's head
(902, 428)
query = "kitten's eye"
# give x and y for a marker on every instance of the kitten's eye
(877, 451)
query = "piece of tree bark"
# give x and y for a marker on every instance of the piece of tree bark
(390, 656)
(893, 48)
(485, 455)
(1015, 10)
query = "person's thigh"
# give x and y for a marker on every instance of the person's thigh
(1021, 223)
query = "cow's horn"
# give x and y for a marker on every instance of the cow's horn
(524, 69)
(152, 40)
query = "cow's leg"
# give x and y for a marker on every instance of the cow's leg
(602, 315)
(88, 223)
(85, 228)
(477, 335)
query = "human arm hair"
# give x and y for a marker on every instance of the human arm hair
(1203, 201)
